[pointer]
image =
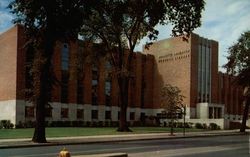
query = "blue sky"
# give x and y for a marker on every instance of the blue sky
(222, 20)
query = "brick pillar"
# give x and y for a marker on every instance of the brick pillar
(72, 84)
(56, 90)
(138, 80)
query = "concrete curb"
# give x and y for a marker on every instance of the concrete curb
(62, 142)
(105, 155)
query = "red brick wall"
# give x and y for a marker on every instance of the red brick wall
(214, 72)
(194, 69)
(174, 70)
(230, 95)
(8, 64)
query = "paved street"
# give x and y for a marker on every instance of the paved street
(222, 146)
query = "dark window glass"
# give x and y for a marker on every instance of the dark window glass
(29, 111)
(108, 115)
(94, 114)
(95, 86)
(65, 57)
(64, 113)
(80, 113)
(48, 111)
(107, 93)
(79, 92)
(64, 87)
(132, 116)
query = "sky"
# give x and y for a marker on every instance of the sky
(222, 20)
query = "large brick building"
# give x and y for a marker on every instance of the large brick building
(88, 92)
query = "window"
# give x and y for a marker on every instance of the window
(65, 57)
(29, 111)
(79, 92)
(211, 112)
(64, 87)
(107, 93)
(118, 115)
(132, 116)
(108, 115)
(94, 114)
(95, 86)
(80, 114)
(143, 117)
(64, 113)
(48, 112)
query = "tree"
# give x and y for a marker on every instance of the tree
(45, 22)
(172, 102)
(120, 24)
(239, 66)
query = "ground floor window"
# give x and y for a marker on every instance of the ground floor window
(48, 112)
(29, 111)
(215, 112)
(64, 113)
(80, 114)
(108, 115)
(132, 116)
(94, 114)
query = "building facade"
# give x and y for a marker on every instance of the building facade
(89, 92)
(191, 64)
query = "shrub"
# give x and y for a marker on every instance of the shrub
(6, 124)
(204, 125)
(29, 124)
(114, 123)
(100, 124)
(198, 126)
(214, 126)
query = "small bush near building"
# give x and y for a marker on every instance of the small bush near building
(204, 126)
(214, 126)
(6, 124)
(198, 126)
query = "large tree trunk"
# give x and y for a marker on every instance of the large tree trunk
(42, 84)
(123, 82)
(245, 115)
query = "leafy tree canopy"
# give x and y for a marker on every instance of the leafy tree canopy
(172, 99)
(239, 59)
(124, 22)
(59, 16)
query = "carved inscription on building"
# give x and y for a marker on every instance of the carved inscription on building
(174, 56)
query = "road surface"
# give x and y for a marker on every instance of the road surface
(221, 146)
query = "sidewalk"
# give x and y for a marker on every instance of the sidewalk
(18, 143)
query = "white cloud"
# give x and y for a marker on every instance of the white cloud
(222, 20)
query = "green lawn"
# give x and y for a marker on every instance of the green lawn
(88, 131)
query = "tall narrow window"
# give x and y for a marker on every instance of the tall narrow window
(65, 57)
(79, 92)
(64, 112)
(64, 87)
(95, 86)
(108, 67)
(29, 111)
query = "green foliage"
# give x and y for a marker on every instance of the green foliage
(198, 126)
(214, 126)
(6, 124)
(172, 100)
(239, 59)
